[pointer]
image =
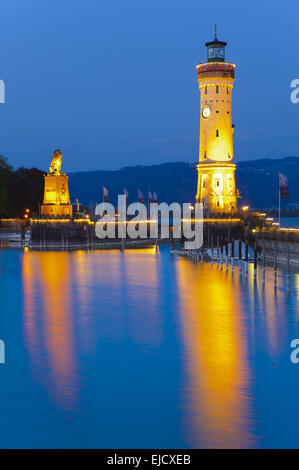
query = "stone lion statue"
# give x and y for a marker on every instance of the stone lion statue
(55, 166)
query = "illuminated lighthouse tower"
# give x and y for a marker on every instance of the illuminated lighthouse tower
(216, 187)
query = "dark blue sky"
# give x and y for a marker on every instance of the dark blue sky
(114, 83)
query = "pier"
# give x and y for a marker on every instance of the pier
(247, 237)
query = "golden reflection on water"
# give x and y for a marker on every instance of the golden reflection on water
(72, 301)
(218, 392)
(48, 323)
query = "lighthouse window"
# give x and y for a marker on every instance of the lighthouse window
(217, 89)
(217, 111)
(217, 183)
(217, 203)
(204, 183)
(206, 90)
(227, 91)
(217, 132)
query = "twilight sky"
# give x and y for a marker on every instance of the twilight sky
(113, 83)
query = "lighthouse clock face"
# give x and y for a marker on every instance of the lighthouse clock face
(206, 111)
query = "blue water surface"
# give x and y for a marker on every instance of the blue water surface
(144, 349)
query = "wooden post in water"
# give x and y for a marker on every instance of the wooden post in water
(264, 261)
(212, 245)
(221, 251)
(233, 254)
(275, 266)
(23, 234)
(218, 250)
(66, 238)
(92, 235)
(172, 242)
(226, 253)
(246, 257)
(240, 258)
(255, 260)
(226, 248)
(89, 235)
(40, 234)
(44, 233)
(289, 268)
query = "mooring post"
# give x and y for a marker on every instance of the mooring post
(92, 235)
(289, 268)
(226, 253)
(89, 235)
(218, 249)
(240, 258)
(275, 266)
(255, 259)
(67, 237)
(264, 261)
(212, 245)
(172, 242)
(40, 234)
(226, 248)
(221, 252)
(44, 234)
(246, 257)
(233, 254)
(23, 234)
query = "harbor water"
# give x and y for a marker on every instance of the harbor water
(144, 349)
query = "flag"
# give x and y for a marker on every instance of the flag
(155, 197)
(105, 194)
(140, 197)
(283, 186)
(127, 196)
(150, 197)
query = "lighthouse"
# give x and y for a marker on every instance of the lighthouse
(216, 187)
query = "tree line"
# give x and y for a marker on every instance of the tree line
(20, 189)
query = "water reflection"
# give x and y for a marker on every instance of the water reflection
(93, 319)
(218, 390)
(48, 324)
(75, 301)
(271, 308)
(141, 280)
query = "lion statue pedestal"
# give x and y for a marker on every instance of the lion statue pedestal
(56, 193)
